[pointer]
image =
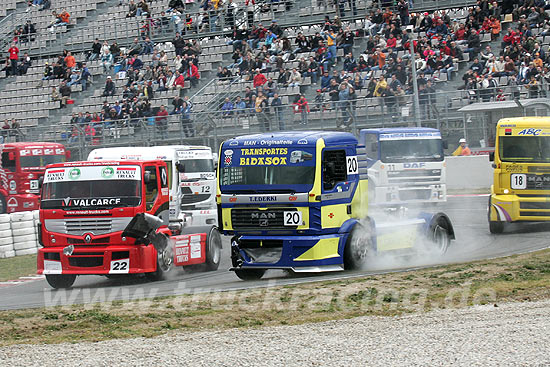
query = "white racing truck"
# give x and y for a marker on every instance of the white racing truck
(405, 165)
(190, 173)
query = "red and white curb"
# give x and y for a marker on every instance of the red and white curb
(21, 280)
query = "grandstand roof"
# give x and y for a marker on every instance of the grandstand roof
(493, 106)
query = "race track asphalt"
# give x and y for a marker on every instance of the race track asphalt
(473, 242)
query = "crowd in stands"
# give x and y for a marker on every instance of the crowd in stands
(329, 60)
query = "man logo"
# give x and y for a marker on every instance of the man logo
(87, 238)
(107, 172)
(74, 174)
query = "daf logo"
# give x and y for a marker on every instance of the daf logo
(88, 238)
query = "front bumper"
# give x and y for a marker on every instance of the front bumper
(299, 253)
(98, 260)
(393, 195)
(514, 208)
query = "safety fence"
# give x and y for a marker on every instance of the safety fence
(18, 234)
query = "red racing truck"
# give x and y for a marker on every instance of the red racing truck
(112, 217)
(21, 167)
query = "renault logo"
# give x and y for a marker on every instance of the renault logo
(88, 238)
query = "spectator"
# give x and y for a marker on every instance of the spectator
(96, 50)
(132, 9)
(65, 92)
(161, 121)
(177, 102)
(148, 47)
(14, 57)
(107, 61)
(240, 105)
(186, 122)
(136, 48)
(142, 8)
(259, 79)
(343, 105)
(110, 88)
(24, 65)
(295, 78)
(301, 106)
(193, 74)
(261, 108)
(227, 108)
(179, 81)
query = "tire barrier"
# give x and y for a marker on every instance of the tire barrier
(18, 235)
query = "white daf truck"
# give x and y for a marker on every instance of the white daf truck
(190, 173)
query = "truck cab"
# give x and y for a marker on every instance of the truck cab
(190, 173)
(22, 167)
(521, 183)
(405, 165)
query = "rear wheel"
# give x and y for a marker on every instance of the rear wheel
(60, 281)
(213, 249)
(250, 274)
(358, 246)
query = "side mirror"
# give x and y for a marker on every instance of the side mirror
(491, 156)
(445, 144)
(40, 182)
(180, 167)
(147, 177)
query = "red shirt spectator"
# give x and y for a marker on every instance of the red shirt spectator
(193, 71)
(64, 17)
(259, 79)
(162, 115)
(14, 53)
(70, 61)
(180, 80)
(391, 42)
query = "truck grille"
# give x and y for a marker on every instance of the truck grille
(81, 226)
(414, 173)
(258, 219)
(192, 199)
(534, 205)
(534, 214)
(86, 262)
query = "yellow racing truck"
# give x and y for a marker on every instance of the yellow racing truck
(521, 184)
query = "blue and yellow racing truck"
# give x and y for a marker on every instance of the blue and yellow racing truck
(298, 201)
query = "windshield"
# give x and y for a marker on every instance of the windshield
(268, 175)
(198, 165)
(535, 149)
(93, 194)
(395, 151)
(40, 160)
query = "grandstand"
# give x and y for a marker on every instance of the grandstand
(379, 74)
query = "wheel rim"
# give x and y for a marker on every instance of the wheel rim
(166, 258)
(441, 238)
(360, 246)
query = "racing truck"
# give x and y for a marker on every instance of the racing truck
(22, 166)
(521, 183)
(190, 173)
(111, 218)
(405, 165)
(299, 200)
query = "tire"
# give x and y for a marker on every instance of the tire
(24, 245)
(27, 251)
(441, 238)
(160, 273)
(250, 274)
(24, 238)
(22, 225)
(21, 217)
(60, 281)
(359, 246)
(213, 250)
(3, 206)
(5, 227)
(23, 232)
(494, 226)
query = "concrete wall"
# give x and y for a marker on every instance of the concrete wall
(469, 173)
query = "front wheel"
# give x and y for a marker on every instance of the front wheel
(358, 246)
(165, 260)
(213, 249)
(496, 227)
(250, 274)
(59, 281)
